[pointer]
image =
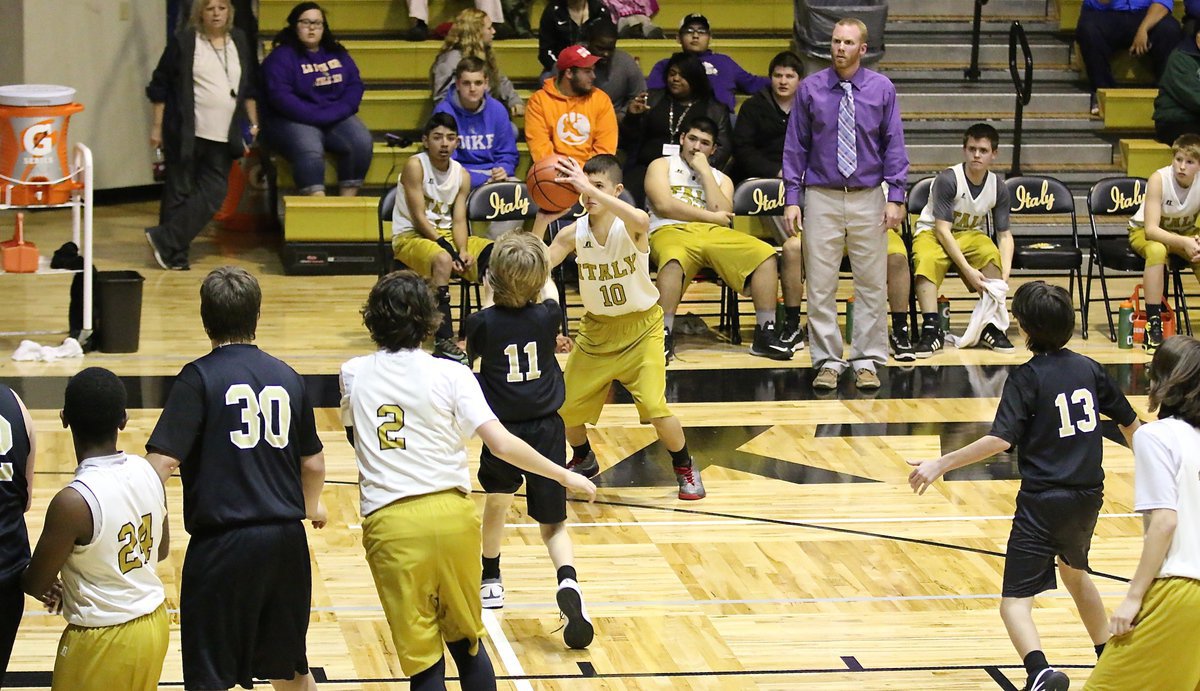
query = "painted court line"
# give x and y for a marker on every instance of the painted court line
(504, 649)
(818, 521)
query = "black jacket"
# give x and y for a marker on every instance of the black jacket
(758, 137)
(558, 30)
(644, 135)
(172, 85)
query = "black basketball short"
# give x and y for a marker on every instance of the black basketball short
(546, 498)
(1049, 524)
(12, 606)
(244, 604)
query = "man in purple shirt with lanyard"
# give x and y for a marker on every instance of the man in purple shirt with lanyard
(1141, 26)
(844, 139)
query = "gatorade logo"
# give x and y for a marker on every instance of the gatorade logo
(38, 139)
(574, 129)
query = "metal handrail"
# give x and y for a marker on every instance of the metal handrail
(972, 72)
(1016, 34)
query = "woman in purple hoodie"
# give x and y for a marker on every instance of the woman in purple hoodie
(312, 92)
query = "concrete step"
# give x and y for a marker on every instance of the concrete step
(1047, 53)
(1041, 149)
(974, 98)
(1006, 9)
(1043, 78)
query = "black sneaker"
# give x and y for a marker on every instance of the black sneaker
(992, 337)
(932, 340)
(160, 255)
(668, 345)
(586, 466)
(447, 349)
(418, 32)
(1048, 679)
(901, 346)
(792, 336)
(767, 344)
(1154, 334)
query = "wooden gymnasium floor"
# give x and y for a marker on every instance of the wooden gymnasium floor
(810, 565)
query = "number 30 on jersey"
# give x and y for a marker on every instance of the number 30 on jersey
(265, 415)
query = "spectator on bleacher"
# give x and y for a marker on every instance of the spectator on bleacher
(758, 153)
(562, 25)
(418, 12)
(1140, 26)
(203, 96)
(516, 16)
(633, 18)
(652, 127)
(471, 37)
(727, 77)
(844, 140)
(617, 73)
(951, 232)
(570, 117)
(691, 211)
(1165, 224)
(1177, 107)
(313, 91)
(487, 141)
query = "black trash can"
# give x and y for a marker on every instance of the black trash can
(118, 311)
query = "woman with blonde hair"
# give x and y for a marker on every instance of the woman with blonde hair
(471, 36)
(204, 112)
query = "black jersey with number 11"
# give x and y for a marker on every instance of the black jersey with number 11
(519, 375)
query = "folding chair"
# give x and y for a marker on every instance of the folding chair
(1039, 195)
(1120, 198)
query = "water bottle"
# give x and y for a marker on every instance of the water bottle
(943, 307)
(159, 167)
(849, 318)
(1125, 326)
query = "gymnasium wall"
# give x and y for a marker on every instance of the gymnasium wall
(106, 50)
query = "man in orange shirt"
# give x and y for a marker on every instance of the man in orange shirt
(570, 117)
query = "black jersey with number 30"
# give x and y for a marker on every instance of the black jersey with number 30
(239, 420)
(1050, 410)
(14, 486)
(519, 374)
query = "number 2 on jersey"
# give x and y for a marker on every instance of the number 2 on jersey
(266, 415)
(131, 539)
(1082, 398)
(389, 429)
(515, 374)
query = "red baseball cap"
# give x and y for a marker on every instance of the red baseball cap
(575, 56)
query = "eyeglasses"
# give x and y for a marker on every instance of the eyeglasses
(314, 23)
(695, 32)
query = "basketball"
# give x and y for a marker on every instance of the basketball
(550, 194)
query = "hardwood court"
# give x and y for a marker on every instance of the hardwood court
(810, 565)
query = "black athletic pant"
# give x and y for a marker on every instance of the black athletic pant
(1101, 34)
(184, 214)
(12, 604)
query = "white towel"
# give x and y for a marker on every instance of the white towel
(29, 351)
(991, 309)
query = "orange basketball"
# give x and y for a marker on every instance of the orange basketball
(549, 193)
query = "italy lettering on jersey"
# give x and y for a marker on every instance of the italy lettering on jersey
(439, 189)
(1178, 215)
(685, 186)
(970, 213)
(614, 277)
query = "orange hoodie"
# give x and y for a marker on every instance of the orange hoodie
(575, 126)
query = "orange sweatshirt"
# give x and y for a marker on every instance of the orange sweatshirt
(575, 126)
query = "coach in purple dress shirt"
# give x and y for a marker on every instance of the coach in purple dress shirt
(844, 139)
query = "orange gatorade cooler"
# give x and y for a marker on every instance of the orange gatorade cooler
(33, 144)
